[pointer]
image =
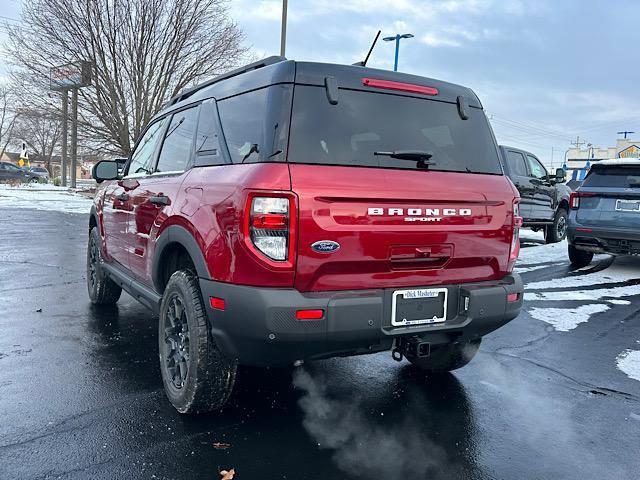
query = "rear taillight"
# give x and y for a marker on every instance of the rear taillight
(269, 223)
(515, 237)
(574, 199)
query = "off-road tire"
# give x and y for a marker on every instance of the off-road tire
(445, 358)
(579, 258)
(557, 231)
(102, 290)
(210, 374)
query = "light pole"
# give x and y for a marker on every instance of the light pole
(283, 29)
(397, 38)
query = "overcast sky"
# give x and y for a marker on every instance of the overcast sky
(545, 70)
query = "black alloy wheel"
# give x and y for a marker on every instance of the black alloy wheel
(176, 342)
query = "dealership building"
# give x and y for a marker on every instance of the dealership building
(578, 160)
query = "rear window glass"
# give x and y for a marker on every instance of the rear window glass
(255, 124)
(614, 176)
(365, 122)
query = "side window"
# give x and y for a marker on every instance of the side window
(178, 141)
(516, 163)
(142, 157)
(256, 124)
(536, 168)
(208, 147)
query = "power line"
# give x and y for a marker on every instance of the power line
(531, 133)
(526, 142)
(3, 17)
(531, 128)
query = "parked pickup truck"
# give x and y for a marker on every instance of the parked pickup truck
(544, 201)
(292, 211)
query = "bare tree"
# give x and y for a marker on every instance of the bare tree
(142, 53)
(8, 118)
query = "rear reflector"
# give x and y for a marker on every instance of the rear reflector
(403, 87)
(309, 314)
(513, 297)
(217, 303)
(587, 230)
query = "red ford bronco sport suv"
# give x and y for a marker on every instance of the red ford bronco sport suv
(294, 211)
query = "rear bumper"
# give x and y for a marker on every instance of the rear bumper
(604, 240)
(259, 327)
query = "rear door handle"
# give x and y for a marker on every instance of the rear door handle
(160, 200)
(123, 197)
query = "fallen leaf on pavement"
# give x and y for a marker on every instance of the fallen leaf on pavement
(227, 475)
(221, 446)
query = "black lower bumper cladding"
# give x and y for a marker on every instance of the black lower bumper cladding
(259, 325)
(605, 241)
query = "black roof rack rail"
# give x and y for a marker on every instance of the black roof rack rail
(233, 73)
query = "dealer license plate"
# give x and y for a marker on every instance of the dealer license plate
(628, 205)
(418, 306)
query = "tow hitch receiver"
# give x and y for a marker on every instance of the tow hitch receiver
(412, 347)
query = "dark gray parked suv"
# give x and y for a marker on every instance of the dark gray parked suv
(544, 201)
(11, 172)
(605, 212)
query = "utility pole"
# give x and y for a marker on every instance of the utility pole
(577, 143)
(65, 130)
(625, 133)
(283, 31)
(74, 137)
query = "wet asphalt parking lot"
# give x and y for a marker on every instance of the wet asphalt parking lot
(553, 395)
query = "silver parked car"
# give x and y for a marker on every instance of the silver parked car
(604, 212)
(41, 172)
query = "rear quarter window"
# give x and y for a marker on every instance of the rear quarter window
(365, 122)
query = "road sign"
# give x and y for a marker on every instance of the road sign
(24, 156)
(70, 75)
(632, 151)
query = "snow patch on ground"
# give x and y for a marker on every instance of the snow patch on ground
(629, 362)
(44, 197)
(565, 319)
(533, 256)
(585, 295)
(531, 268)
(613, 274)
(529, 235)
(574, 287)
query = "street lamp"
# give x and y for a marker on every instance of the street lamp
(397, 38)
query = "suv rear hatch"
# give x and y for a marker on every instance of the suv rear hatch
(610, 196)
(441, 212)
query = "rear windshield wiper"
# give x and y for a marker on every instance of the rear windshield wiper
(420, 156)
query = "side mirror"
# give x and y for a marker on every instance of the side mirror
(560, 175)
(105, 170)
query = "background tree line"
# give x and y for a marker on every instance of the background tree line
(142, 52)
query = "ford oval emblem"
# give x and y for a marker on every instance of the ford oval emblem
(325, 246)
